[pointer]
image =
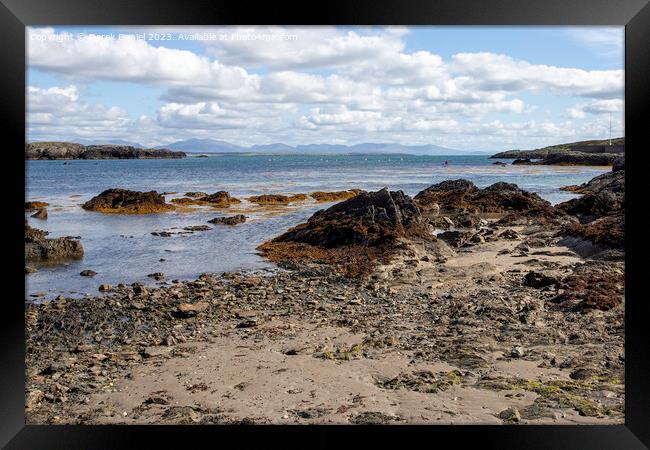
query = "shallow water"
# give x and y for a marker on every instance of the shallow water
(121, 248)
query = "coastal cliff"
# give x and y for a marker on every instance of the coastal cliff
(69, 150)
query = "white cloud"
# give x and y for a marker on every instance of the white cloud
(596, 107)
(329, 84)
(493, 72)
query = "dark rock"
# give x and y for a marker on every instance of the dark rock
(88, 273)
(68, 150)
(33, 206)
(128, 202)
(369, 219)
(456, 238)
(105, 287)
(231, 220)
(197, 228)
(463, 196)
(539, 280)
(40, 214)
(221, 199)
(509, 234)
(192, 309)
(195, 194)
(40, 248)
(276, 199)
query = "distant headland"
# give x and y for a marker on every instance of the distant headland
(69, 150)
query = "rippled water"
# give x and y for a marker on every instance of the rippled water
(122, 249)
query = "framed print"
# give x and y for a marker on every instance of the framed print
(363, 216)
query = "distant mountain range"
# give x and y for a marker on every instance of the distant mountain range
(216, 146)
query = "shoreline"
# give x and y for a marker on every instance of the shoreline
(472, 336)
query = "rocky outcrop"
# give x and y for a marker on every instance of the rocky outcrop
(600, 211)
(613, 181)
(573, 159)
(369, 219)
(334, 196)
(68, 150)
(276, 199)
(34, 206)
(463, 195)
(122, 201)
(220, 199)
(353, 234)
(39, 248)
(582, 147)
(40, 214)
(231, 220)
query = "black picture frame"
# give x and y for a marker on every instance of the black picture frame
(15, 15)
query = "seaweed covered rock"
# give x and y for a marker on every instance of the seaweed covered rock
(370, 219)
(353, 234)
(39, 248)
(122, 201)
(320, 196)
(600, 212)
(231, 220)
(594, 285)
(33, 206)
(611, 181)
(276, 199)
(220, 199)
(463, 195)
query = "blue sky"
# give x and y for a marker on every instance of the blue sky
(471, 88)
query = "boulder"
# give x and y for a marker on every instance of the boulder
(231, 220)
(355, 234)
(276, 199)
(369, 219)
(539, 280)
(40, 248)
(191, 309)
(334, 196)
(220, 199)
(40, 214)
(600, 211)
(33, 206)
(122, 201)
(456, 238)
(464, 196)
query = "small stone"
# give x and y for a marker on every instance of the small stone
(29, 269)
(247, 323)
(40, 214)
(140, 290)
(517, 352)
(105, 288)
(510, 415)
(159, 351)
(192, 309)
(87, 273)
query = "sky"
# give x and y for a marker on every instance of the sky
(467, 88)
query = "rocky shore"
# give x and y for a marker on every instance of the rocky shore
(69, 150)
(574, 154)
(460, 305)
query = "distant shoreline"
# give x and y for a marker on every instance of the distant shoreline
(73, 151)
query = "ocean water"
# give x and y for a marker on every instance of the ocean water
(121, 248)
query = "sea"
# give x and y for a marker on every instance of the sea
(121, 248)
